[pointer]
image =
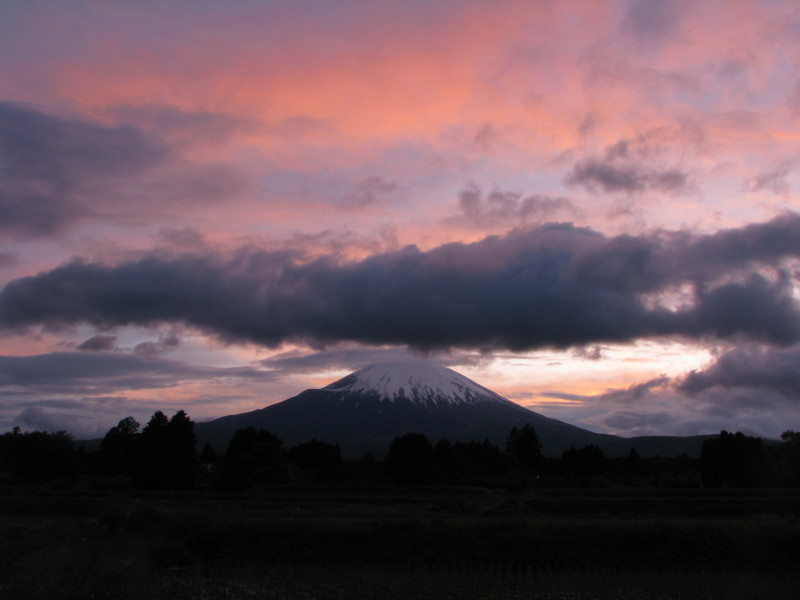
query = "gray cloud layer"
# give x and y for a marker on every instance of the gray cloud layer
(81, 372)
(752, 387)
(593, 173)
(503, 208)
(750, 366)
(84, 392)
(555, 285)
(45, 162)
(56, 170)
(632, 166)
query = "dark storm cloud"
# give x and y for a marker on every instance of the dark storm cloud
(167, 342)
(341, 358)
(766, 310)
(24, 212)
(634, 165)
(81, 372)
(99, 343)
(46, 163)
(755, 243)
(637, 422)
(611, 177)
(754, 388)
(635, 393)
(503, 208)
(55, 170)
(555, 285)
(67, 369)
(751, 366)
(353, 358)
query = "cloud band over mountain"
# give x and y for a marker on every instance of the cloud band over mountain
(554, 285)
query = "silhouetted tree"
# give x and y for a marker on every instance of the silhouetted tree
(585, 462)
(37, 456)
(367, 467)
(633, 464)
(165, 452)
(790, 451)
(254, 457)
(733, 459)
(208, 455)
(524, 447)
(150, 467)
(446, 464)
(411, 459)
(181, 442)
(119, 446)
(680, 471)
(791, 436)
(316, 455)
(479, 460)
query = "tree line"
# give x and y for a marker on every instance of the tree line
(164, 455)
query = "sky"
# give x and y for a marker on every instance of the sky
(589, 207)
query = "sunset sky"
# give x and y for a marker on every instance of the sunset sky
(590, 207)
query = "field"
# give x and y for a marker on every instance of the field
(388, 542)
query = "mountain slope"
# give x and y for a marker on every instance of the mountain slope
(418, 382)
(365, 410)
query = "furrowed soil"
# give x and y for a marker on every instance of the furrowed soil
(390, 542)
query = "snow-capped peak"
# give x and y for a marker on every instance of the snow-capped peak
(415, 380)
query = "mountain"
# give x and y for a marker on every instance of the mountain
(365, 410)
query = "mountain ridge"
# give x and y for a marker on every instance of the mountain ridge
(417, 381)
(365, 410)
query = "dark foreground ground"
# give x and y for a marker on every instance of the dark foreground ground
(438, 543)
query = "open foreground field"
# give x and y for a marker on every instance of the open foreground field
(389, 542)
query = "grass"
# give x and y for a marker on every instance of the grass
(393, 543)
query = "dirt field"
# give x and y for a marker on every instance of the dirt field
(334, 542)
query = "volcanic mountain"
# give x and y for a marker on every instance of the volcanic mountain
(365, 410)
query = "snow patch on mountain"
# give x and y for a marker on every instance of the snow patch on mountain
(417, 381)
